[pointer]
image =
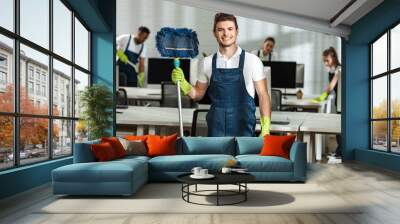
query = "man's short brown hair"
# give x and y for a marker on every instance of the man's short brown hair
(219, 17)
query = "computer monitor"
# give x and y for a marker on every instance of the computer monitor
(300, 75)
(159, 69)
(283, 74)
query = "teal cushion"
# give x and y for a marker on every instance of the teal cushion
(83, 152)
(249, 145)
(185, 163)
(257, 163)
(111, 171)
(208, 145)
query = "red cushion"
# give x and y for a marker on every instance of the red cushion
(275, 145)
(103, 151)
(161, 145)
(142, 138)
(116, 145)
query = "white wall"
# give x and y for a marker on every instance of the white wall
(292, 44)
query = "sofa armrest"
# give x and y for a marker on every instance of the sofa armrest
(298, 155)
(83, 152)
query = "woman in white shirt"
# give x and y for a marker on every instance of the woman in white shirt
(334, 69)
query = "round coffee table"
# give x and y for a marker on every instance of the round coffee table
(238, 179)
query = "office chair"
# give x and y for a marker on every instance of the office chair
(276, 100)
(169, 96)
(198, 115)
(122, 98)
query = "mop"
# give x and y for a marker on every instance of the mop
(177, 43)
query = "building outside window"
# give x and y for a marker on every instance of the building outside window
(3, 71)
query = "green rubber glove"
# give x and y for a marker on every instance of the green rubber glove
(122, 56)
(321, 98)
(140, 78)
(178, 76)
(265, 126)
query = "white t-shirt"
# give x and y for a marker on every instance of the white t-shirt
(122, 42)
(252, 71)
(274, 55)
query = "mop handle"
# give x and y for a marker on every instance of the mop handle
(178, 88)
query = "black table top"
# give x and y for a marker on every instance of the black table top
(220, 178)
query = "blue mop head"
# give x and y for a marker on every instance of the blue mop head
(177, 43)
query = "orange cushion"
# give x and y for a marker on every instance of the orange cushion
(142, 138)
(161, 145)
(275, 145)
(116, 145)
(103, 151)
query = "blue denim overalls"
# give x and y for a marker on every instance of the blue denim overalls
(232, 111)
(129, 71)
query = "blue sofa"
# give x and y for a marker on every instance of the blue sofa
(125, 176)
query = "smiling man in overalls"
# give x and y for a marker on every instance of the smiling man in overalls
(130, 51)
(231, 76)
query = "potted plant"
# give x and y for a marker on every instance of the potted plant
(96, 104)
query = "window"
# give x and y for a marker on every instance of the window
(46, 131)
(6, 143)
(30, 73)
(37, 75)
(30, 87)
(3, 72)
(385, 95)
(44, 91)
(3, 78)
(6, 74)
(81, 45)
(3, 61)
(62, 29)
(62, 74)
(62, 137)
(38, 89)
(81, 81)
(35, 21)
(7, 14)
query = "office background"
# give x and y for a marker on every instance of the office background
(302, 46)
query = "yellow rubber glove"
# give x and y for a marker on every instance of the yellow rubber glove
(140, 78)
(122, 56)
(265, 126)
(178, 76)
(321, 98)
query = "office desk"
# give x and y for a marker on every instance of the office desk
(308, 126)
(303, 103)
(143, 94)
(313, 129)
(153, 117)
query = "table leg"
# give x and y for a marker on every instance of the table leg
(152, 130)
(217, 194)
(245, 193)
(319, 146)
(140, 130)
(309, 139)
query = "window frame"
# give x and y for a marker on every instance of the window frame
(388, 74)
(18, 40)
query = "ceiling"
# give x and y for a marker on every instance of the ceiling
(320, 9)
(333, 17)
